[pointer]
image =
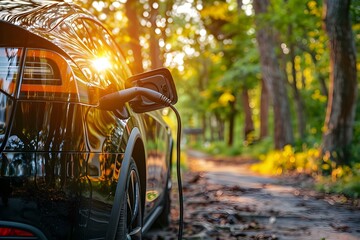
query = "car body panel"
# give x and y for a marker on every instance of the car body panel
(60, 159)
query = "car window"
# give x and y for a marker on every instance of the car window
(9, 68)
(109, 63)
(82, 33)
(71, 35)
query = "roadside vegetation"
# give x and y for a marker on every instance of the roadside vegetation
(329, 177)
(290, 161)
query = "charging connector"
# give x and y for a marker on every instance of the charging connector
(113, 100)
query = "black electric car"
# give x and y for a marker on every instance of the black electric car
(83, 152)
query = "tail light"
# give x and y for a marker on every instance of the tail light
(42, 75)
(14, 232)
(47, 75)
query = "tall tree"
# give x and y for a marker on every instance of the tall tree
(297, 96)
(155, 51)
(264, 110)
(274, 77)
(340, 111)
(133, 28)
(249, 123)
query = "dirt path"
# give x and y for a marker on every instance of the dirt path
(224, 200)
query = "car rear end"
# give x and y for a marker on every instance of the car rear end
(42, 146)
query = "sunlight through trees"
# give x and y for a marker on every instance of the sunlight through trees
(247, 70)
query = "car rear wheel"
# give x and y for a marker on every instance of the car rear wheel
(130, 222)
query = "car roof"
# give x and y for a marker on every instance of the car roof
(37, 15)
(49, 23)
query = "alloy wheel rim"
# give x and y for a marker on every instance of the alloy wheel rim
(133, 207)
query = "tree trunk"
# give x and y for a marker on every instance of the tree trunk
(340, 112)
(232, 116)
(264, 111)
(202, 83)
(213, 127)
(298, 100)
(221, 128)
(155, 51)
(204, 126)
(249, 124)
(275, 79)
(134, 34)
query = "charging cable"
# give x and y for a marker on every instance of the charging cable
(178, 173)
(112, 101)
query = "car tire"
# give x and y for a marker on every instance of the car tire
(130, 221)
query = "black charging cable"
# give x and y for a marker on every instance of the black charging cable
(112, 101)
(178, 172)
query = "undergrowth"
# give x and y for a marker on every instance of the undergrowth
(221, 148)
(329, 177)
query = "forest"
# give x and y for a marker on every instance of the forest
(272, 79)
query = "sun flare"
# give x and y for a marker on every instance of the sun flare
(101, 64)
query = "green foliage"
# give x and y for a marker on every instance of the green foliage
(244, 72)
(343, 180)
(278, 162)
(338, 179)
(219, 149)
(259, 148)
